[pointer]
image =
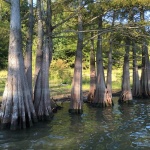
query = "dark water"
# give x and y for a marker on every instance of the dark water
(125, 127)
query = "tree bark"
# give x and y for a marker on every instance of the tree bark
(109, 75)
(17, 107)
(101, 98)
(42, 100)
(91, 93)
(76, 91)
(126, 94)
(145, 78)
(28, 53)
(136, 92)
(109, 69)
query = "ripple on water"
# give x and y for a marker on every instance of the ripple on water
(122, 127)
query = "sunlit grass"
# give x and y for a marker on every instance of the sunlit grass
(61, 86)
(3, 74)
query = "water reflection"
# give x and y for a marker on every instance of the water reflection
(123, 127)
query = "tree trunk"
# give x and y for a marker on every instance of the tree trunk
(42, 101)
(109, 75)
(17, 107)
(40, 42)
(28, 53)
(109, 69)
(145, 78)
(100, 98)
(126, 94)
(76, 91)
(49, 29)
(91, 93)
(136, 81)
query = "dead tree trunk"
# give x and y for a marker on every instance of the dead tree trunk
(136, 81)
(17, 107)
(126, 94)
(76, 91)
(91, 93)
(101, 98)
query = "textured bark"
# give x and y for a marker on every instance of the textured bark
(145, 77)
(17, 107)
(49, 29)
(42, 100)
(109, 75)
(76, 91)
(28, 53)
(91, 93)
(40, 42)
(109, 69)
(136, 81)
(101, 98)
(126, 94)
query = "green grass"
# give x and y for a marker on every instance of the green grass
(3, 75)
(61, 87)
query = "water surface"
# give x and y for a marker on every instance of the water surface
(125, 127)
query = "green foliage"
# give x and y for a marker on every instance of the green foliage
(59, 70)
(4, 42)
(4, 33)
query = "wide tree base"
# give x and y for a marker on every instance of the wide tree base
(19, 124)
(75, 111)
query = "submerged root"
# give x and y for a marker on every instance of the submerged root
(102, 104)
(55, 106)
(90, 97)
(125, 98)
(103, 100)
(75, 111)
(45, 117)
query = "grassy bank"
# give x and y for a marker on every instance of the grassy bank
(60, 82)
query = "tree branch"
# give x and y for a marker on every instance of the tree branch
(7, 1)
(73, 15)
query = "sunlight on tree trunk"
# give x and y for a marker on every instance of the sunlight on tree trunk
(42, 100)
(101, 98)
(28, 53)
(76, 91)
(145, 78)
(136, 81)
(126, 94)
(17, 106)
(91, 93)
(109, 75)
